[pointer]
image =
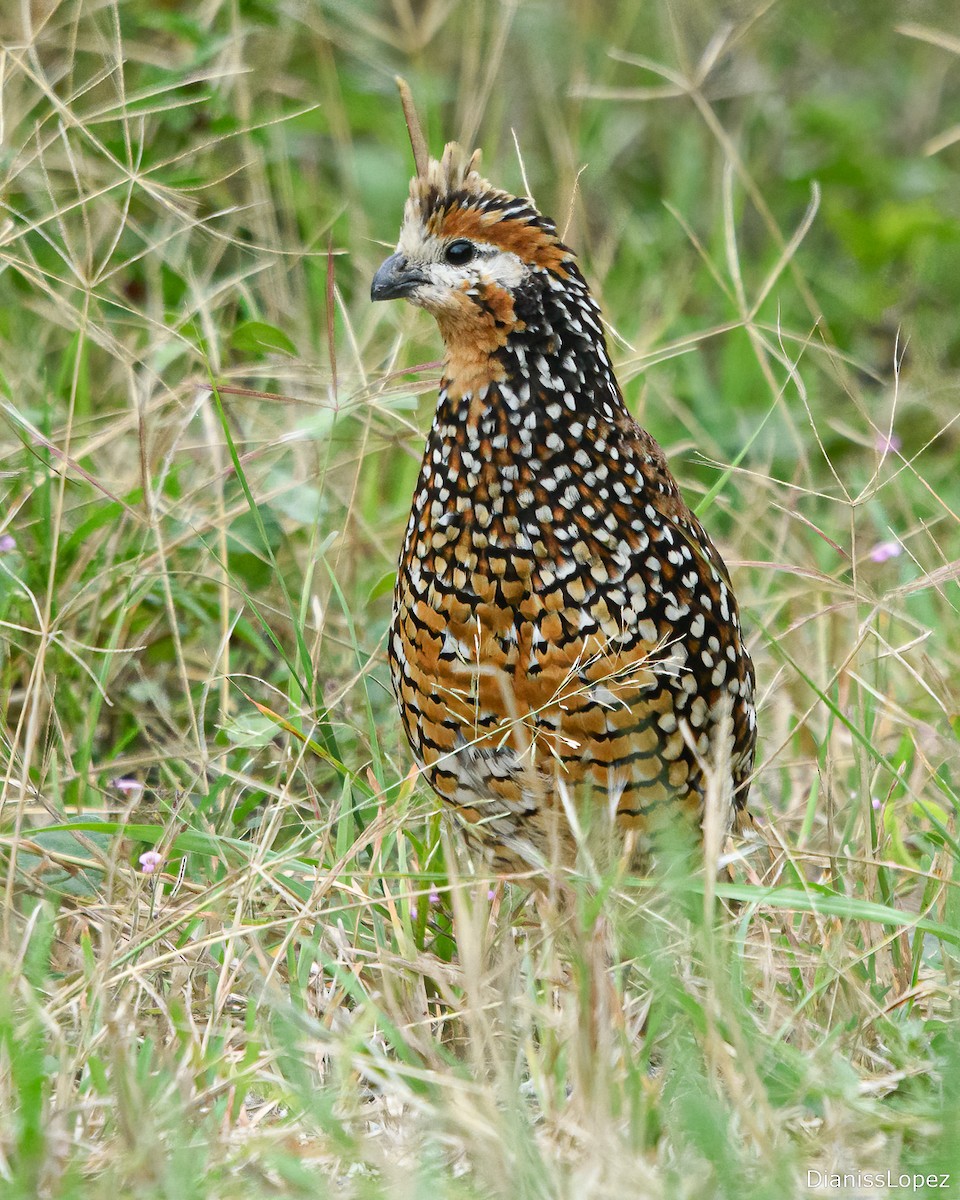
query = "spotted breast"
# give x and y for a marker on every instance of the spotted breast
(566, 647)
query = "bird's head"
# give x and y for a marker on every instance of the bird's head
(475, 257)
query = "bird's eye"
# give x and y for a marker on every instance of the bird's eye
(459, 253)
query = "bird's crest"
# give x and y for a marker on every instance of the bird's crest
(449, 196)
(453, 182)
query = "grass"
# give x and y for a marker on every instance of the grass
(210, 438)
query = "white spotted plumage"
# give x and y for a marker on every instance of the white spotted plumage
(562, 622)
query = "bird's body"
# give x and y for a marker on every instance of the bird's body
(565, 643)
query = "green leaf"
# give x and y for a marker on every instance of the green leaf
(383, 585)
(818, 899)
(257, 337)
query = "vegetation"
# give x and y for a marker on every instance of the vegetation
(241, 953)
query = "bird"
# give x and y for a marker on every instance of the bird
(565, 647)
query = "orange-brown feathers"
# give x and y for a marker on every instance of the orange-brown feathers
(451, 199)
(564, 631)
(512, 250)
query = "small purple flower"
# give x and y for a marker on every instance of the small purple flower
(7, 543)
(132, 788)
(883, 551)
(434, 896)
(490, 894)
(887, 443)
(149, 861)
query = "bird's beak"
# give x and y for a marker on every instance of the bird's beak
(395, 277)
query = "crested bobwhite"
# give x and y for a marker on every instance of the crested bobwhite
(566, 647)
